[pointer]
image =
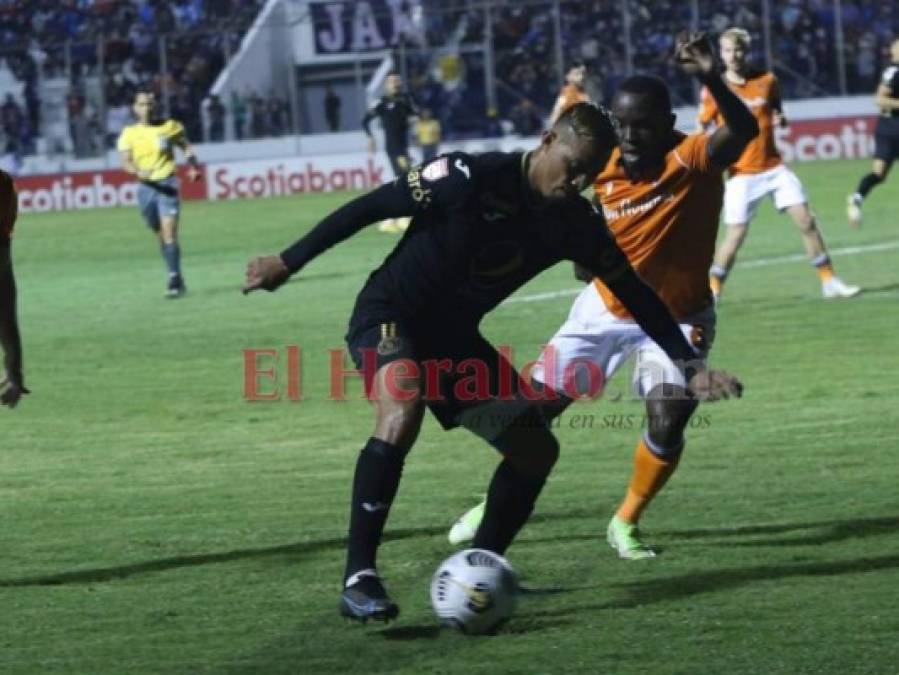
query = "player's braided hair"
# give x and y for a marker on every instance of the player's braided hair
(590, 122)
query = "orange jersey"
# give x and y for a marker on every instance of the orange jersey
(9, 207)
(569, 96)
(761, 94)
(666, 224)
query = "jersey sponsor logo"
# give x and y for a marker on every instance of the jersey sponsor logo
(459, 164)
(420, 194)
(436, 170)
(629, 208)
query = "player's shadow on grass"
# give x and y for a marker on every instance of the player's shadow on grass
(824, 532)
(649, 591)
(886, 288)
(102, 574)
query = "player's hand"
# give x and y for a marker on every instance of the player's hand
(11, 390)
(714, 385)
(694, 54)
(142, 174)
(193, 173)
(372, 145)
(267, 272)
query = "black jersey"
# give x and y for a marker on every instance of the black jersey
(394, 113)
(890, 80)
(477, 234)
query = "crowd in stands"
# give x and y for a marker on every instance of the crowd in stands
(802, 35)
(120, 42)
(45, 39)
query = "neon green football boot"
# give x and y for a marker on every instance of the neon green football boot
(464, 529)
(625, 538)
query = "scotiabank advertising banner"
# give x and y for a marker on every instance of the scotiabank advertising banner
(89, 190)
(296, 175)
(848, 137)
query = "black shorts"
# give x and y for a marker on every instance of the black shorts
(466, 381)
(886, 139)
(399, 160)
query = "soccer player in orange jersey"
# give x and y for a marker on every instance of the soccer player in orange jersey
(572, 92)
(12, 386)
(760, 171)
(661, 195)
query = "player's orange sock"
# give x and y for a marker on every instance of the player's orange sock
(717, 275)
(651, 472)
(824, 267)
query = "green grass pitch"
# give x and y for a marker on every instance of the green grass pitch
(155, 522)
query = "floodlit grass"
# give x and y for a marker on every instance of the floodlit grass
(155, 522)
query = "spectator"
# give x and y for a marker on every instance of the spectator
(240, 111)
(427, 129)
(332, 108)
(525, 120)
(216, 113)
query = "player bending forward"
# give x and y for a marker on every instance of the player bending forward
(661, 194)
(482, 226)
(760, 171)
(886, 136)
(147, 150)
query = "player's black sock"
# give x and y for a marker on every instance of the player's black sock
(510, 500)
(172, 254)
(375, 483)
(867, 183)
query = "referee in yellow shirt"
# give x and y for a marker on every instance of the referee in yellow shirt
(147, 150)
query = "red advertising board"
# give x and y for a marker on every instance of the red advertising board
(844, 137)
(90, 189)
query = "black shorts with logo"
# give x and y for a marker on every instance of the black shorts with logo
(465, 380)
(886, 139)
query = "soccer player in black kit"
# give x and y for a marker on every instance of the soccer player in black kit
(482, 226)
(886, 136)
(394, 110)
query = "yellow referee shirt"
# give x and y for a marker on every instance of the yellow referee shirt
(152, 146)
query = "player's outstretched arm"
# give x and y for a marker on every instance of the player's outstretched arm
(693, 53)
(387, 201)
(12, 387)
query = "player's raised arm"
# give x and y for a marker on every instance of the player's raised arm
(693, 53)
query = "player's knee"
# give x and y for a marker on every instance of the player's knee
(667, 417)
(807, 223)
(531, 449)
(398, 421)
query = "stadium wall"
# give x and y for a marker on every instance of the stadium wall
(293, 166)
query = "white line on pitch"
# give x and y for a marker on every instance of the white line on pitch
(761, 262)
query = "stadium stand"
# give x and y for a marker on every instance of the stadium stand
(69, 68)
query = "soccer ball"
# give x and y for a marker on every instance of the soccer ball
(474, 590)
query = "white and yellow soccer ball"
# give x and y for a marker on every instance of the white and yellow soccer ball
(475, 591)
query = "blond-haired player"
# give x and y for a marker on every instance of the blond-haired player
(760, 170)
(147, 150)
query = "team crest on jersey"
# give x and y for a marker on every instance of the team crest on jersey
(436, 170)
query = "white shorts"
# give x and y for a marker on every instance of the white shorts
(593, 343)
(743, 193)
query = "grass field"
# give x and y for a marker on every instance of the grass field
(155, 522)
